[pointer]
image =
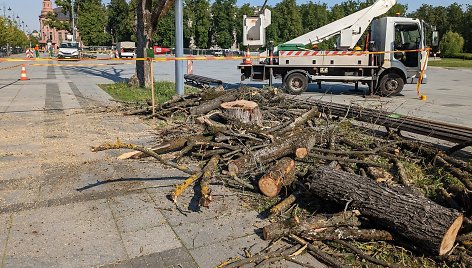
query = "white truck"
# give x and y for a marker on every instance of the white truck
(377, 65)
(126, 49)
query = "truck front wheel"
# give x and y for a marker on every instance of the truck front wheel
(391, 84)
(296, 83)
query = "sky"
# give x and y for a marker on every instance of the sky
(29, 10)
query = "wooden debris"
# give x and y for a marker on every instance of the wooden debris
(393, 208)
(279, 175)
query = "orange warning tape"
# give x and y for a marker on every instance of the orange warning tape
(10, 67)
(158, 59)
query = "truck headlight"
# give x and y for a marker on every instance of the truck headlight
(75, 52)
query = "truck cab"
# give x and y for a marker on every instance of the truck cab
(403, 41)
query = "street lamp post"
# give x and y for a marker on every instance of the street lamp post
(73, 21)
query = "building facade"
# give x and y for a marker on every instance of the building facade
(49, 34)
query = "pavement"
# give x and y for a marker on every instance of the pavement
(63, 206)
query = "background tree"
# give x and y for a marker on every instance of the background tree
(451, 43)
(467, 29)
(202, 23)
(119, 25)
(223, 22)
(92, 22)
(289, 15)
(165, 31)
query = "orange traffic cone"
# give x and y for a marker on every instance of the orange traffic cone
(247, 59)
(23, 76)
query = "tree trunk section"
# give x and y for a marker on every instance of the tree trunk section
(418, 219)
(279, 175)
(143, 35)
(295, 226)
(243, 111)
(215, 103)
(278, 149)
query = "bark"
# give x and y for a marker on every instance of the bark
(144, 31)
(279, 175)
(299, 121)
(278, 149)
(295, 226)
(284, 204)
(418, 219)
(243, 111)
(215, 103)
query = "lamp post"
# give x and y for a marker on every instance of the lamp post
(73, 20)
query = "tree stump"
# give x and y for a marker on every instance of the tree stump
(279, 175)
(246, 112)
(415, 217)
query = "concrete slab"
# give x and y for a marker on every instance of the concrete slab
(218, 230)
(66, 236)
(150, 240)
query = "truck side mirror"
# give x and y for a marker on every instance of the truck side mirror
(435, 39)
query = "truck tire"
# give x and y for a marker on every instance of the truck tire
(296, 83)
(391, 84)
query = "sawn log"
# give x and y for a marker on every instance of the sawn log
(417, 218)
(279, 175)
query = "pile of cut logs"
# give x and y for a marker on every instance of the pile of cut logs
(263, 142)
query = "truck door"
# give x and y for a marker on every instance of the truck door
(408, 37)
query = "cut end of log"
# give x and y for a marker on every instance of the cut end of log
(450, 236)
(268, 187)
(301, 153)
(233, 169)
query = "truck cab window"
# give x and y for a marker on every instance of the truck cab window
(407, 37)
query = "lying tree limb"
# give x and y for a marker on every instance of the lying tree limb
(119, 145)
(315, 224)
(319, 254)
(208, 173)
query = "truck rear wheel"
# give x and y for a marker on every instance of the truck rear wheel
(296, 83)
(391, 84)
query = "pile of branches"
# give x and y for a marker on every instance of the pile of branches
(263, 142)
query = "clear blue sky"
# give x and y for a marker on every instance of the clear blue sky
(29, 10)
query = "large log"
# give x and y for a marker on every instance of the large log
(417, 218)
(278, 149)
(279, 175)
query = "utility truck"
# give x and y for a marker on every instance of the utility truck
(126, 49)
(394, 53)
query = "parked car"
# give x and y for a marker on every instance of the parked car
(126, 49)
(69, 50)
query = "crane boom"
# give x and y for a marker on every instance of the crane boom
(350, 28)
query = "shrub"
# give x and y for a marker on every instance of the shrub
(451, 43)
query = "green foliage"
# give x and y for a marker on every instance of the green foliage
(198, 16)
(11, 34)
(451, 43)
(163, 92)
(119, 25)
(165, 32)
(92, 22)
(290, 20)
(223, 22)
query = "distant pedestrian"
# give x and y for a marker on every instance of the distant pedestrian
(51, 54)
(36, 49)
